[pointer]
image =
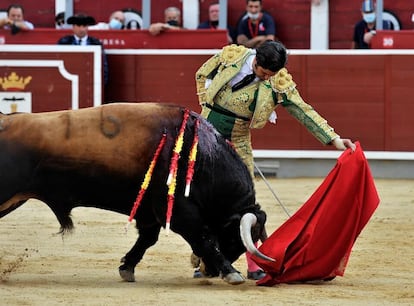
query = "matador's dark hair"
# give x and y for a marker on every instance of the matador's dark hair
(271, 55)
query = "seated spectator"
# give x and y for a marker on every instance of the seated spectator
(116, 22)
(172, 21)
(15, 20)
(80, 37)
(213, 21)
(365, 29)
(256, 26)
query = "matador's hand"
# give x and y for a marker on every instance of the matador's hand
(343, 144)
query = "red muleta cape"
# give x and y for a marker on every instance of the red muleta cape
(315, 243)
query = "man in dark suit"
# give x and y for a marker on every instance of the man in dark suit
(213, 21)
(80, 37)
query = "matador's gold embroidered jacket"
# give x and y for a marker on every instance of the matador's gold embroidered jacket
(279, 89)
(250, 106)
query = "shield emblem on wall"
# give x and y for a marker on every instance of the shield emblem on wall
(13, 99)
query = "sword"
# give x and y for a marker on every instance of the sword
(271, 190)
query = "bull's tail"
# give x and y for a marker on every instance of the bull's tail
(9, 209)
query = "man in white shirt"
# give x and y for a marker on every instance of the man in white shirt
(15, 20)
(116, 22)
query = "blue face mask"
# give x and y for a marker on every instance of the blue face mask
(115, 24)
(369, 17)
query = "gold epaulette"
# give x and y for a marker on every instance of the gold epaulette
(282, 81)
(233, 54)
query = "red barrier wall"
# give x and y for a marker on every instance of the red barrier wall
(49, 79)
(393, 40)
(364, 97)
(119, 39)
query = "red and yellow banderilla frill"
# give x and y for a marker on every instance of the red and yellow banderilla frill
(173, 169)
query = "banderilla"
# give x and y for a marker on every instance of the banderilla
(271, 189)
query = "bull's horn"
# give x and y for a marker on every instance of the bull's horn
(246, 223)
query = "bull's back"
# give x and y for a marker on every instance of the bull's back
(119, 135)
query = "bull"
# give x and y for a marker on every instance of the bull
(98, 157)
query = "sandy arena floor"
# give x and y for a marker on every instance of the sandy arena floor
(39, 267)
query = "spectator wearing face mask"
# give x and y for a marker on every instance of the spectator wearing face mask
(172, 21)
(116, 22)
(256, 26)
(365, 30)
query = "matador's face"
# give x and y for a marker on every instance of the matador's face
(262, 73)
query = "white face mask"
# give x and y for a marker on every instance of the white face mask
(369, 17)
(253, 16)
(115, 24)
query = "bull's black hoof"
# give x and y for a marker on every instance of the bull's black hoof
(126, 273)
